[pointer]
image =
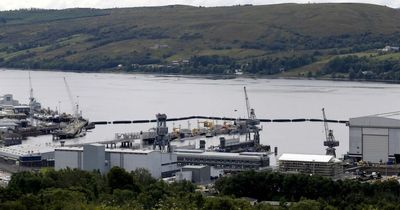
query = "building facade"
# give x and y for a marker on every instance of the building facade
(320, 165)
(224, 160)
(96, 157)
(374, 139)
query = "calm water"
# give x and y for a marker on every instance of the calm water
(129, 97)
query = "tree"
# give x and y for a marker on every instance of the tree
(118, 178)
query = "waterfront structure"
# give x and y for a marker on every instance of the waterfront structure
(374, 139)
(321, 165)
(96, 157)
(224, 160)
(7, 100)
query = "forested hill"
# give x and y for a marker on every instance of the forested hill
(184, 39)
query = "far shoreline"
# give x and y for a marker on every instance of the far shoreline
(206, 76)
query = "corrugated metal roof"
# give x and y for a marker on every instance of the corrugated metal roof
(306, 158)
(375, 121)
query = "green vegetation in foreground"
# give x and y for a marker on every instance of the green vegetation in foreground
(75, 189)
(283, 40)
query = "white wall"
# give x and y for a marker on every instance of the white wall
(115, 160)
(169, 158)
(394, 141)
(150, 161)
(64, 159)
(355, 141)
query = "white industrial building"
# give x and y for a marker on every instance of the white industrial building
(321, 165)
(224, 160)
(374, 139)
(8, 100)
(96, 157)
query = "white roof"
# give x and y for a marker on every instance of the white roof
(306, 158)
(17, 151)
(110, 150)
(375, 121)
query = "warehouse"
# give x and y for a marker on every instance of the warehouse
(224, 160)
(96, 157)
(374, 139)
(321, 165)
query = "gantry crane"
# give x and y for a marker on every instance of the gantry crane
(330, 141)
(252, 120)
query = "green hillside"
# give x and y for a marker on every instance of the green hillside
(287, 36)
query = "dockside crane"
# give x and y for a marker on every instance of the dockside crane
(31, 98)
(30, 89)
(330, 141)
(75, 105)
(76, 126)
(33, 104)
(252, 120)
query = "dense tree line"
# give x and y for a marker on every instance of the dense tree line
(195, 65)
(275, 65)
(347, 194)
(75, 189)
(351, 42)
(363, 68)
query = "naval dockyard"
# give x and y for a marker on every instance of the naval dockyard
(209, 146)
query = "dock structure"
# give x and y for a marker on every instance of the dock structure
(224, 160)
(71, 130)
(127, 140)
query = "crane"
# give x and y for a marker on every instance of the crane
(252, 120)
(30, 88)
(330, 141)
(250, 111)
(33, 104)
(75, 105)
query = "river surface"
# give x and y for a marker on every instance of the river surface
(134, 96)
